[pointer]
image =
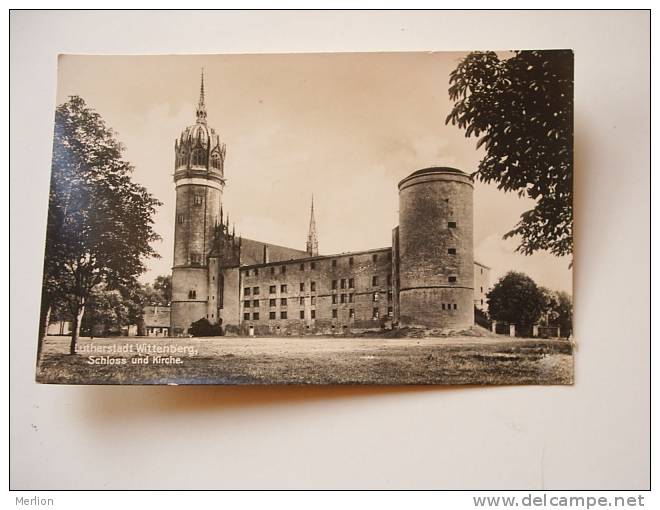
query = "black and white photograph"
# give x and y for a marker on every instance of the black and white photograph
(320, 218)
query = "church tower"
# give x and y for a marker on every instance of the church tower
(199, 180)
(312, 240)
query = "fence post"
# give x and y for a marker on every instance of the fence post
(535, 330)
(512, 330)
(493, 326)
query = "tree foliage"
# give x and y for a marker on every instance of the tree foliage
(163, 285)
(521, 110)
(516, 299)
(107, 312)
(203, 327)
(99, 221)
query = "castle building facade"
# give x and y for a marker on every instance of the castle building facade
(426, 278)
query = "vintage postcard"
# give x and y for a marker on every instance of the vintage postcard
(348, 218)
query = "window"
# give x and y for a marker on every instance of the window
(334, 299)
(195, 258)
(302, 267)
(374, 258)
(246, 304)
(255, 316)
(272, 302)
(351, 313)
(215, 160)
(481, 289)
(452, 279)
(255, 303)
(334, 284)
(246, 291)
(342, 284)
(375, 297)
(272, 289)
(256, 271)
(312, 286)
(283, 301)
(312, 300)
(312, 314)
(482, 302)
(302, 314)
(255, 291)
(375, 314)
(312, 265)
(271, 315)
(350, 261)
(334, 263)
(343, 298)
(192, 294)
(247, 272)
(350, 283)
(302, 301)
(302, 286)
(334, 313)
(197, 200)
(198, 158)
(389, 295)
(390, 311)
(451, 224)
(350, 298)
(443, 306)
(283, 269)
(272, 270)
(482, 271)
(282, 315)
(181, 218)
(455, 306)
(374, 281)
(451, 251)
(246, 316)
(283, 288)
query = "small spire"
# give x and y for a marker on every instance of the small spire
(201, 106)
(312, 239)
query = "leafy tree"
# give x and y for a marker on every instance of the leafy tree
(99, 221)
(203, 327)
(163, 285)
(107, 311)
(563, 313)
(516, 299)
(521, 109)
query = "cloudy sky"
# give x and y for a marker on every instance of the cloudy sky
(344, 127)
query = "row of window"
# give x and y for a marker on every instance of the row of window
(344, 283)
(336, 298)
(198, 159)
(273, 289)
(312, 314)
(448, 306)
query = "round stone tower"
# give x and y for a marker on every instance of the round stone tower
(436, 272)
(199, 180)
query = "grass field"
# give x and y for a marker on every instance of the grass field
(313, 360)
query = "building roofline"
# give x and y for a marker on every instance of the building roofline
(314, 258)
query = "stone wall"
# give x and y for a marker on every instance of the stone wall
(316, 302)
(436, 261)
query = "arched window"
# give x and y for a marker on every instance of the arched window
(198, 158)
(215, 160)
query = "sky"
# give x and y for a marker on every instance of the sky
(344, 127)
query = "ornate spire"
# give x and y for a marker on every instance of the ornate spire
(201, 107)
(312, 240)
